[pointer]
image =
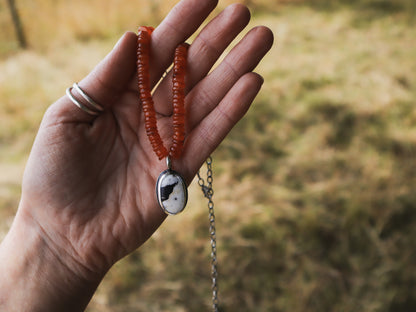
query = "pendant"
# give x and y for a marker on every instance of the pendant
(171, 191)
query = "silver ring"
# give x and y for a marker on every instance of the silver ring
(97, 108)
(87, 98)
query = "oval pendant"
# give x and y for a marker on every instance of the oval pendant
(171, 192)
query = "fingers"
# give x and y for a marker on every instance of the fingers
(205, 51)
(181, 22)
(114, 73)
(209, 133)
(222, 98)
(242, 59)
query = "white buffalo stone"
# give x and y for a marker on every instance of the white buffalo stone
(171, 192)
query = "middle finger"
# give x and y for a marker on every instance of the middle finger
(204, 52)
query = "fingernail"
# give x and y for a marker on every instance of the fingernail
(261, 78)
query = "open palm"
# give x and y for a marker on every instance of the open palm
(89, 183)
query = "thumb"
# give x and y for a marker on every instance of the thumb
(113, 74)
(104, 83)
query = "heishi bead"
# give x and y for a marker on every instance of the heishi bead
(178, 88)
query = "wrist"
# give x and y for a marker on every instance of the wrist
(36, 277)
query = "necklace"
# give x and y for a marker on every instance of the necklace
(171, 190)
(208, 191)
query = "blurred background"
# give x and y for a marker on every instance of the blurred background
(315, 188)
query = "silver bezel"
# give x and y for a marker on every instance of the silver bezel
(160, 179)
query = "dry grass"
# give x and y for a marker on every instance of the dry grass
(50, 22)
(314, 188)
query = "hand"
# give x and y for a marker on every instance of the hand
(88, 194)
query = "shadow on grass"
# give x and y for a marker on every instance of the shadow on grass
(367, 10)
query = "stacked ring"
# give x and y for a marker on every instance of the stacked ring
(93, 108)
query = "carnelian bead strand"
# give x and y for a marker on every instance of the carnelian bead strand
(143, 51)
(178, 97)
(178, 89)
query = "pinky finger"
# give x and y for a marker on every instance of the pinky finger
(210, 132)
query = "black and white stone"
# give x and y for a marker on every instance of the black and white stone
(171, 192)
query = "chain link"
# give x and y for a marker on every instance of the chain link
(209, 193)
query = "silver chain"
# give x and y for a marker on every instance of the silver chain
(208, 193)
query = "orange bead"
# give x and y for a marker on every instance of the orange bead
(178, 89)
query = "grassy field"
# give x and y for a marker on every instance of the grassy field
(314, 189)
